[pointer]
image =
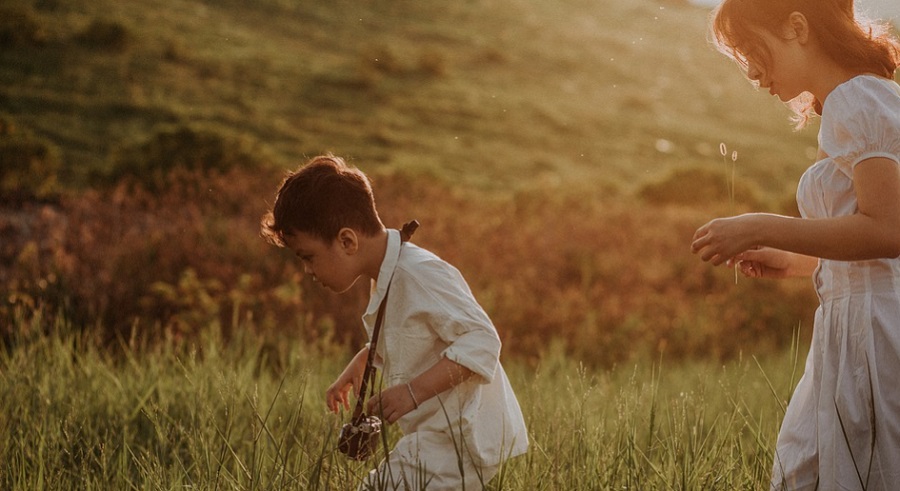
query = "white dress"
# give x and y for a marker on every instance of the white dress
(841, 430)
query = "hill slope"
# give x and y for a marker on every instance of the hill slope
(492, 95)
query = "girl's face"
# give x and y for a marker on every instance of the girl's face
(783, 70)
(331, 264)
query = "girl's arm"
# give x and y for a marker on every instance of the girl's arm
(871, 233)
(394, 402)
(765, 262)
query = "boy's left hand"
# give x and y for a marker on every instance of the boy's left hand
(391, 404)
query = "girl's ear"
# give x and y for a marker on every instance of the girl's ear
(798, 27)
(348, 241)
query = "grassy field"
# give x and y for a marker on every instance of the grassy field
(249, 417)
(559, 153)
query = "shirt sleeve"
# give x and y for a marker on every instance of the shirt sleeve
(476, 347)
(861, 121)
(459, 321)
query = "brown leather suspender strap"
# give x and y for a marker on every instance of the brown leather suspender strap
(368, 380)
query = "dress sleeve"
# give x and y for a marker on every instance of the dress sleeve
(861, 120)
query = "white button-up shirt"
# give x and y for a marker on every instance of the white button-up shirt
(431, 313)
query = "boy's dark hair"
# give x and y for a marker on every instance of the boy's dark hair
(320, 198)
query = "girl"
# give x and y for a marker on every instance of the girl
(842, 426)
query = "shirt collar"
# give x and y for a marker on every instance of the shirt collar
(388, 265)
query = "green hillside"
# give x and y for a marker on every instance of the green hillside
(492, 95)
(560, 154)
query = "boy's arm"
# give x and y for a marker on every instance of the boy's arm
(394, 402)
(443, 375)
(338, 394)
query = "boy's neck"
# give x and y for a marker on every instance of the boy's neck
(373, 248)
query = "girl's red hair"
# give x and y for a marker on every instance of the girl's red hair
(856, 43)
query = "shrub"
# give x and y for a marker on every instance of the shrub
(19, 27)
(174, 151)
(28, 165)
(433, 63)
(104, 34)
(609, 281)
(699, 185)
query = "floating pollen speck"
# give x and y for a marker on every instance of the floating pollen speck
(664, 146)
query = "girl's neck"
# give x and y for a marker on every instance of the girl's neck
(828, 79)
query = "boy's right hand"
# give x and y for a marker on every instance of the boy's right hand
(338, 394)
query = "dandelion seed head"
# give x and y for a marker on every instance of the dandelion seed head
(722, 149)
(734, 156)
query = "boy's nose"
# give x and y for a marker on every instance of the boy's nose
(753, 72)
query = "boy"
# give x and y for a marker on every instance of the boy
(438, 350)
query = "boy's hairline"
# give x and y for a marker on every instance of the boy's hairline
(281, 234)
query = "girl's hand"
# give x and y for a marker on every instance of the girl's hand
(762, 262)
(765, 262)
(392, 403)
(722, 239)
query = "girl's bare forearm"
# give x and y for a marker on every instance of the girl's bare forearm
(855, 237)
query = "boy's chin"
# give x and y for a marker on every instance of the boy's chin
(339, 289)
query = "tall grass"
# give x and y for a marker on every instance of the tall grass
(205, 416)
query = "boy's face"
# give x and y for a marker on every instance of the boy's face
(331, 264)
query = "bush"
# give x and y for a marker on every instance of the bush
(104, 34)
(162, 262)
(180, 150)
(695, 185)
(19, 27)
(608, 280)
(28, 165)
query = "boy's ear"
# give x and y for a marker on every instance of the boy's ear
(348, 240)
(798, 27)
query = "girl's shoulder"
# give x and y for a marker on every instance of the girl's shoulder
(863, 93)
(861, 118)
